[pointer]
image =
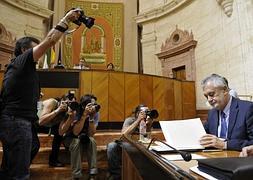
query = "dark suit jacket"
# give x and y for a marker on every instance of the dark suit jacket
(240, 125)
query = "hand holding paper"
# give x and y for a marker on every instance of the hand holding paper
(183, 134)
(210, 140)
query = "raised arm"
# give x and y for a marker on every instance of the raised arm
(55, 34)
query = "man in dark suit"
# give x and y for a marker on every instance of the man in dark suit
(230, 122)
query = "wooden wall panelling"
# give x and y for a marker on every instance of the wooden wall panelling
(116, 96)
(159, 97)
(57, 92)
(169, 99)
(178, 99)
(85, 82)
(132, 93)
(178, 102)
(188, 100)
(202, 114)
(100, 90)
(146, 90)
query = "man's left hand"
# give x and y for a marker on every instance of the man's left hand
(210, 140)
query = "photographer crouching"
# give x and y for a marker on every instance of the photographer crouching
(51, 113)
(78, 135)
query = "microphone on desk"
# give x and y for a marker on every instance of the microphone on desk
(185, 155)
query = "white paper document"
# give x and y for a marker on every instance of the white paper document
(182, 134)
(178, 157)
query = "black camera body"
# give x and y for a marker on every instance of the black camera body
(153, 114)
(74, 106)
(70, 95)
(96, 106)
(88, 21)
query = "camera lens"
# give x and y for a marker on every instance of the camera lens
(153, 114)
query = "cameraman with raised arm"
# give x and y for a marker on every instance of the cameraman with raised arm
(20, 94)
(79, 136)
(52, 112)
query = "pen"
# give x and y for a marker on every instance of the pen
(211, 150)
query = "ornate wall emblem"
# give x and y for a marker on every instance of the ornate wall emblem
(178, 51)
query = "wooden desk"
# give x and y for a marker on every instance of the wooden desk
(140, 163)
(187, 165)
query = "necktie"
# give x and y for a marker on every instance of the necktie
(223, 130)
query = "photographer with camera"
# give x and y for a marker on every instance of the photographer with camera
(78, 135)
(131, 124)
(19, 97)
(51, 113)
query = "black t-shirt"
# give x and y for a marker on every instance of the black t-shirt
(21, 87)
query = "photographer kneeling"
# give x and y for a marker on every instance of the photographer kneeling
(79, 135)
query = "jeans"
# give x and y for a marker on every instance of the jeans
(114, 151)
(20, 145)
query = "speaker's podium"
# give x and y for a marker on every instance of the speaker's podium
(138, 162)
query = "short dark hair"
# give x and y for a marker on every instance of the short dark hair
(110, 64)
(86, 99)
(138, 109)
(24, 43)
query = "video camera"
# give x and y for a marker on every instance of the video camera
(88, 21)
(153, 114)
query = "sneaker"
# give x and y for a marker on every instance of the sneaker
(55, 164)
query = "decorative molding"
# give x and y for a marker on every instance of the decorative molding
(178, 51)
(179, 42)
(30, 7)
(6, 40)
(7, 43)
(227, 6)
(160, 11)
(149, 40)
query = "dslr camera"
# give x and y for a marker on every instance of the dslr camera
(152, 113)
(96, 106)
(88, 21)
(73, 105)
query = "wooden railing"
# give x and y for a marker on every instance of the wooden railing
(119, 93)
